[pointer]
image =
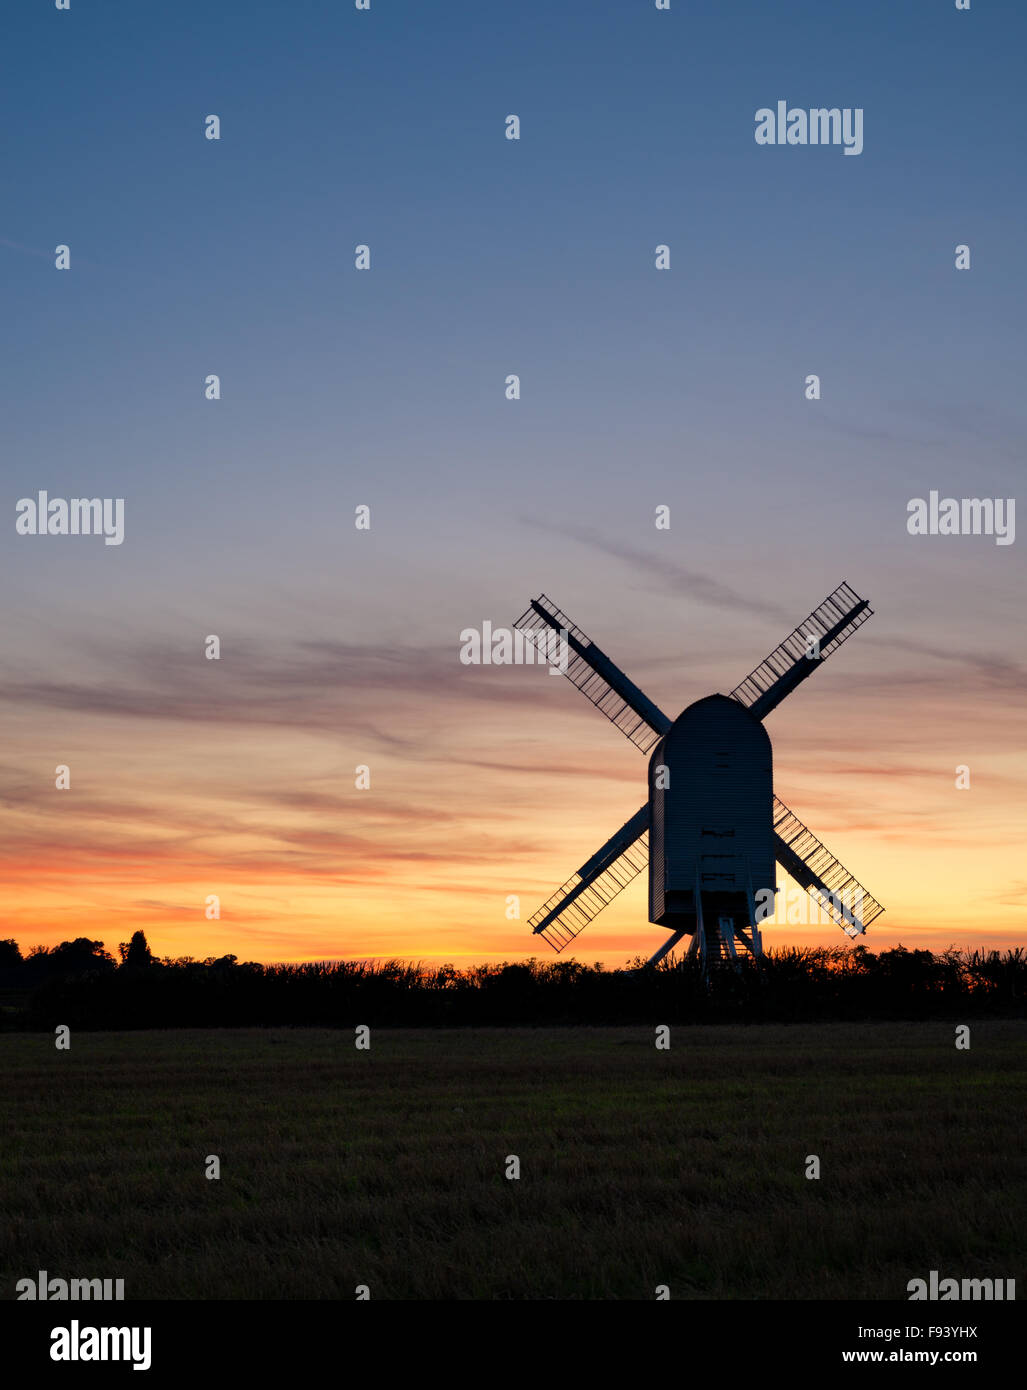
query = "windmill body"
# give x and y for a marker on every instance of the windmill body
(711, 820)
(712, 829)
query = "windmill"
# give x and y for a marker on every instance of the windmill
(712, 828)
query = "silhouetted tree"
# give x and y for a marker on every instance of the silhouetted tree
(10, 954)
(135, 954)
(76, 957)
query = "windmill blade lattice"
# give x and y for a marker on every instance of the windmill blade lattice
(596, 884)
(815, 868)
(593, 673)
(777, 675)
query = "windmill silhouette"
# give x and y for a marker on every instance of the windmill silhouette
(712, 828)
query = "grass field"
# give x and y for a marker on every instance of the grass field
(638, 1167)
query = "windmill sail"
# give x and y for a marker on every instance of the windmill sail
(596, 883)
(840, 614)
(812, 865)
(596, 676)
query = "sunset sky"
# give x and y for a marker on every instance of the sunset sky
(639, 388)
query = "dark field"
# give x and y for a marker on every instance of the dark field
(638, 1167)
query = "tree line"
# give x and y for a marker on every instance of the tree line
(79, 983)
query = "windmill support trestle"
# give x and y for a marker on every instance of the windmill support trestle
(668, 945)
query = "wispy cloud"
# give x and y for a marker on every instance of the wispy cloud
(309, 685)
(668, 575)
(993, 670)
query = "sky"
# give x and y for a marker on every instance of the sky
(386, 388)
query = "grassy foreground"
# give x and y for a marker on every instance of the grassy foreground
(638, 1167)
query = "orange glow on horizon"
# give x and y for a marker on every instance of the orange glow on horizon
(502, 784)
